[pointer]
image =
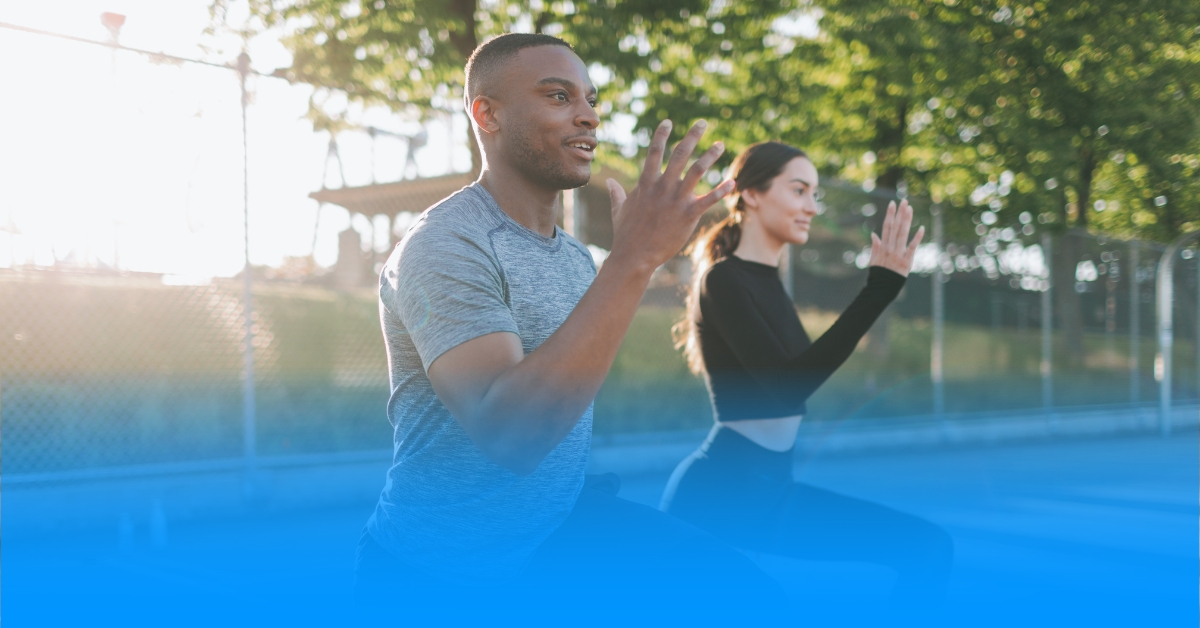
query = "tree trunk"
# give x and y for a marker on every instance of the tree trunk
(1087, 171)
(466, 41)
(1070, 314)
(888, 145)
(1067, 252)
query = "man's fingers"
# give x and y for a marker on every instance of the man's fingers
(683, 150)
(616, 194)
(702, 203)
(654, 156)
(701, 166)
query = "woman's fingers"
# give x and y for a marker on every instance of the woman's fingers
(886, 234)
(906, 217)
(916, 241)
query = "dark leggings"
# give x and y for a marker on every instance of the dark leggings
(744, 494)
(611, 556)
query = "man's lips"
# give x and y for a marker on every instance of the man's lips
(584, 146)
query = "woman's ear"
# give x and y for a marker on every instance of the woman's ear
(750, 198)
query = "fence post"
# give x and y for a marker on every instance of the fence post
(1047, 328)
(248, 401)
(1135, 322)
(937, 347)
(1164, 288)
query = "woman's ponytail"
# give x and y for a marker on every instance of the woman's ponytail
(712, 245)
(754, 168)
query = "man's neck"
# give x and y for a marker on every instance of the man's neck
(533, 206)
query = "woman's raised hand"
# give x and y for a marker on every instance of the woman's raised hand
(892, 249)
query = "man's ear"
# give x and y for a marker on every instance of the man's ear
(483, 113)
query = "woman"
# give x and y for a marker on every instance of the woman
(742, 333)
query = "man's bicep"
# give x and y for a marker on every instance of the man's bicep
(462, 376)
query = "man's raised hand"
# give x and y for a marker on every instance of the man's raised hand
(653, 222)
(892, 250)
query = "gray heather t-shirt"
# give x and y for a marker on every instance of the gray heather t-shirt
(467, 269)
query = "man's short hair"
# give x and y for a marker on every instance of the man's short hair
(491, 55)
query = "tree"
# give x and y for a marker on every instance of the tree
(1060, 92)
(410, 54)
(1071, 100)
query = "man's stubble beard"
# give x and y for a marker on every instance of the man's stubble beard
(540, 167)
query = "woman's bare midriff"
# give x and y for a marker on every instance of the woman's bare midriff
(773, 434)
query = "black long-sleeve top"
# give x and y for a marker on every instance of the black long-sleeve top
(758, 359)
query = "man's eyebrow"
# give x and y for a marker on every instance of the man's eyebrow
(567, 83)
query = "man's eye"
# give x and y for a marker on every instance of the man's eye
(560, 96)
(592, 103)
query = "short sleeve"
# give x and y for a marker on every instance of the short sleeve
(445, 289)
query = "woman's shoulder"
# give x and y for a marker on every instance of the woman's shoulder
(722, 276)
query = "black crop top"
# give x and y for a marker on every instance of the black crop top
(758, 359)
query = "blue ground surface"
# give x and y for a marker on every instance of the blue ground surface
(1070, 533)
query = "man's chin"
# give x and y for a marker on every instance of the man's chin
(572, 181)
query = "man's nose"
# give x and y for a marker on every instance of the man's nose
(588, 118)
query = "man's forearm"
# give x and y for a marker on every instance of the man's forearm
(532, 406)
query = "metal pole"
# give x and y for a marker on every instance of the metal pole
(1164, 299)
(1135, 322)
(1047, 329)
(936, 348)
(568, 213)
(248, 404)
(1164, 290)
(785, 270)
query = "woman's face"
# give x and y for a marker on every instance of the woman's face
(787, 208)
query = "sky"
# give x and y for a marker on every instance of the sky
(114, 160)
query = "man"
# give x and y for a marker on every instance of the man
(499, 333)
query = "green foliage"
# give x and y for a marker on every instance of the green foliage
(1000, 105)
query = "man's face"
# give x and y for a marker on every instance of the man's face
(547, 117)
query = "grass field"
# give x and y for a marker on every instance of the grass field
(122, 371)
(650, 388)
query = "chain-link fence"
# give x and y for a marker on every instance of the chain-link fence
(121, 345)
(1023, 328)
(99, 371)
(103, 365)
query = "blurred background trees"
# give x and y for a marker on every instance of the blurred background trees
(1081, 114)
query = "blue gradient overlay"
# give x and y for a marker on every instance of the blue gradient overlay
(1063, 532)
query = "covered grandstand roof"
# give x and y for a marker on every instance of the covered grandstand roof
(410, 195)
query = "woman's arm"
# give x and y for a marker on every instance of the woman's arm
(793, 379)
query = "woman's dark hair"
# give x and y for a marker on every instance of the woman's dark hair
(753, 169)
